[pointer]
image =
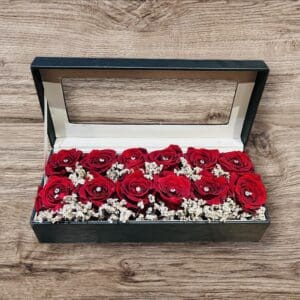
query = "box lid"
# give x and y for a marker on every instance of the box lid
(48, 73)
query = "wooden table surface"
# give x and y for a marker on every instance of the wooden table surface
(266, 30)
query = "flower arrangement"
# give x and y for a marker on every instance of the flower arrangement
(164, 185)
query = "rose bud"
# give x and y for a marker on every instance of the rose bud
(168, 157)
(133, 158)
(250, 192)
(236, 161)
(99, 160)
(202, 158)
(58, 162)
(134, 188)
(51, 196)
(97, 190)
(171, 189)
(213, 190)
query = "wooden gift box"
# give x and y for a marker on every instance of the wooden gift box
(250, 78)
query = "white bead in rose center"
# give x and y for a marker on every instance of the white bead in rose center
(206, 189)
(98, 189)
(248, 193)
(56, 191)
(236, 161)
(101, 160)
(133, 158)
(202, 161)
(172, 190)
(138, 189)
(165, 158)
(65, 160)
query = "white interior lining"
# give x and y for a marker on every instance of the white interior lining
(120, 144)
(225, 137)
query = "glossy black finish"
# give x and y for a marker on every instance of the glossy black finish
(151, 231)
(137, 63)
(258, 89)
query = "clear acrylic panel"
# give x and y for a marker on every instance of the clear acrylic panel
(149, 100)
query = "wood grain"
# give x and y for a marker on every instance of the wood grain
(149, 101)
(266, 30)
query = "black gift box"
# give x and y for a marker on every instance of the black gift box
(250, 76)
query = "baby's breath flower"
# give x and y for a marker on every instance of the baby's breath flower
(116, 171)
(188, 171)
(151, 169)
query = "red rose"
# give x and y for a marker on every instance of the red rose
(134, 188)
(58, 162)
(213, 190)
(250, 192)
(172, 189)
(168, 157)
(38, 204)
(133, 158)
(236, 161)
(203, 158)
(52, 194)
(97, 190)
(232, 183)
(99, 160)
